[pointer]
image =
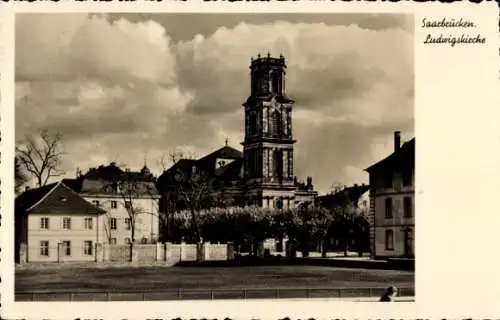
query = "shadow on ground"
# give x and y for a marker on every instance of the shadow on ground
(248, 261)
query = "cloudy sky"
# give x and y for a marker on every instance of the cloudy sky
(131, 87)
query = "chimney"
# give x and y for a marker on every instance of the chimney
(397, 140)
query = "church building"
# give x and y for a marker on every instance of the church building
(263, 173)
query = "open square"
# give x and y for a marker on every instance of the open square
(166, 283)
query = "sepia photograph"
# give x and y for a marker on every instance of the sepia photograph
(209, 156)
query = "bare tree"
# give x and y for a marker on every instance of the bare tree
(129, 190)
(192, 188)
(20, 176)
(40, 156)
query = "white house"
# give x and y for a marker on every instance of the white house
(392, 193)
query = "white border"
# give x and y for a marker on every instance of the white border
(458, 175)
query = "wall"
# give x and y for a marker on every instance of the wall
(147, 223)
(399, 242)
(168, 252)
(398, 222)
(215, 252)
(56, 234)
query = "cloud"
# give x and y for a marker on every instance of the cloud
(124, 90)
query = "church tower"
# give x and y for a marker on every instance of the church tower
(268, 143)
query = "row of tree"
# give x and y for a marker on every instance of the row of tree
(307, 228)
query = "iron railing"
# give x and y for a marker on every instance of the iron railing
(208, 294)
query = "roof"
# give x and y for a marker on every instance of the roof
(104, 180)
(348, 194)
(112, 172)
(55, 198)
(405, 155)
(225, 152)
(230, 172)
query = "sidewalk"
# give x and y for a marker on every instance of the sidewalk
(89, 265)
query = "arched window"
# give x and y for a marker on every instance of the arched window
(275, 80)
(253, 123)
(279, 203)
(389, 240)
(275, 125)
(278, 165)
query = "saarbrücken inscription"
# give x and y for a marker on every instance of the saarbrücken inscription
(451, 31)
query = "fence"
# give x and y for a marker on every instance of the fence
(168, 252)
(211, 294)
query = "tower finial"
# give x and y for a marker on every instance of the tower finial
(268, 54)
(258, 56)
(227, 141)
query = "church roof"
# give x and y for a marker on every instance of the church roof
(231, 172)
(225, 152)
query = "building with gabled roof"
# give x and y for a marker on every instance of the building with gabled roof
(392, 202)
(57, 224)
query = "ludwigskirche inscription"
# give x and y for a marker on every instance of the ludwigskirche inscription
(450, 25)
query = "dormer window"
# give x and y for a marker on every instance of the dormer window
(63, 199)
(221, 163)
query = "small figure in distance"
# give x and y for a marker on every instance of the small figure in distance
(389, 294)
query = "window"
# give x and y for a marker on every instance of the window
(144, 240)
(88, 223)
(388, 181)
(128, 204)
(67, 248)
(278, 165)
(275, 80)
(388, 208)
(275, 124)
(127, 241)
(112, 241)
(128, 225)
(44, 248)
(114, 204)
(279, 203)
(407, 177)
(44, 223)
(389, 240)
(96, 203)
(87, 247)
(407, 207)
(66, 223)
(252, 124)
(112, 223)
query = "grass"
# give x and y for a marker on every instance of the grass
(172, 278)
